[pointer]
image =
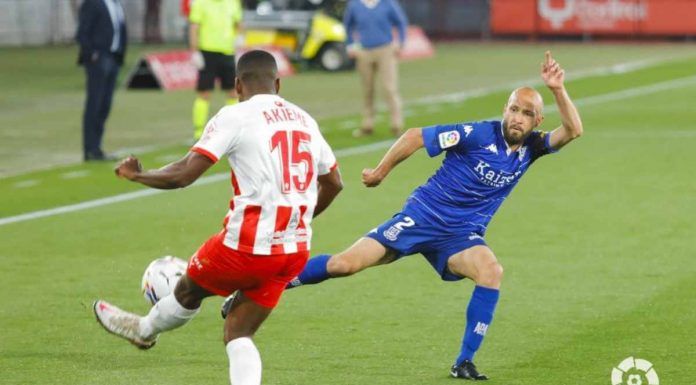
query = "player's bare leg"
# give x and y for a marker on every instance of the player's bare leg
(479, 264)
(364, 253)
(169, 313)
(243, 320)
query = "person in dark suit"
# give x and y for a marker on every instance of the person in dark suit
(102, 36)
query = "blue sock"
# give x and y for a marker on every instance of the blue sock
(479, 315)
(314, 272)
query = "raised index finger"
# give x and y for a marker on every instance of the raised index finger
(548, 57)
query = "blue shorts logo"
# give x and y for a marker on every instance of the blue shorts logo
(392, 233)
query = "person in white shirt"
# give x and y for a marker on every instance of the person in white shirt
(284, 174)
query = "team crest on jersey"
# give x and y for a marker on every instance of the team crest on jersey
(468, 130)
(448, 139)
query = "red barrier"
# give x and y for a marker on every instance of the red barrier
(174, 70)
(604, 17)
(417, 45)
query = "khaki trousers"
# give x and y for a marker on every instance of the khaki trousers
(381, 61)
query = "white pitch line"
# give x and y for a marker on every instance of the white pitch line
(27, 183)
(75, 174)
(619, 68)
(432, 102)
(612, 96)
(149, 192)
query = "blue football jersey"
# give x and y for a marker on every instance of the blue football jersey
(479, 171)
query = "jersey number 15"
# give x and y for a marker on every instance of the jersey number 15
(292, 158)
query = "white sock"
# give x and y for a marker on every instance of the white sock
(167, 314)
(245, 362)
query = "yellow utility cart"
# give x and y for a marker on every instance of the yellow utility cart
(306, 36)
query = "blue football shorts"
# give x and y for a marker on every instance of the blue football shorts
(408, 234)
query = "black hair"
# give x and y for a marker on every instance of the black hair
(257, 68)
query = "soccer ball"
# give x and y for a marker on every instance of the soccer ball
(161, 277)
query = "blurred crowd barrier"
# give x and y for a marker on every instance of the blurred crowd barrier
(37, 22)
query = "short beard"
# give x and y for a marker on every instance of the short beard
(509, 139)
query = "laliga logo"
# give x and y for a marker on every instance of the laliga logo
(557, 16)
(634, 372)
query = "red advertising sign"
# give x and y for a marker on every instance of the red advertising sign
(417, 45)
(174, 70)
(605, 17)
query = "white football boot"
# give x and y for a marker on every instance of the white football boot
(122, 324)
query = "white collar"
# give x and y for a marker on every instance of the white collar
(370, 3)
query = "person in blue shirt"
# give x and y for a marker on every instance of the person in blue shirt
(445, 219)
(376, 54)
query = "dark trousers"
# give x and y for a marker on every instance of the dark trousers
(101, 81)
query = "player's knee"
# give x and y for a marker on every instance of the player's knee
(490, 275)
(186, 294)
(341, 267)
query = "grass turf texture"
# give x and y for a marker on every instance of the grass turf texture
(595, 242)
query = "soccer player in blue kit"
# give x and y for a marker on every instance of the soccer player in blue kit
(445, 219)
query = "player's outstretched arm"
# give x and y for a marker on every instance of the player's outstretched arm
(329, 186)
(571, 125)
(408, 143)
(174, 175)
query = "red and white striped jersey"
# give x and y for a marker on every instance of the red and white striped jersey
(276, 152)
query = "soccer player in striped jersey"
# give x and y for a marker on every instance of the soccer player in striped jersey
(284, 174)
(446, 218)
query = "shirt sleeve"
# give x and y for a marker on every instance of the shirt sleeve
(327, 160)
(196, 15)
(398, 18)
(539, 145)
(219, 138)
(349, 23)
(447, 137)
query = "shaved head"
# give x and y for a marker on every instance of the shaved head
(257, 73)
(528, 96)
(522, 114)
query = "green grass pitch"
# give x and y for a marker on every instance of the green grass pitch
(595, 240)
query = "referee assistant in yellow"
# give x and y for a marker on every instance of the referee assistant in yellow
(214, 25)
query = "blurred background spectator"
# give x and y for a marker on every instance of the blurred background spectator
(103, 39)
(213, 29)
(369, 25)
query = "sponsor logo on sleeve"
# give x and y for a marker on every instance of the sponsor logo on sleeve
(448, 139)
